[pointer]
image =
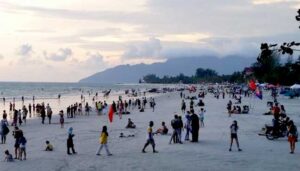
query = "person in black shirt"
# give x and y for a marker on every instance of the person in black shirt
(195, 126)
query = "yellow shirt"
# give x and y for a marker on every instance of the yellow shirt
(103, 138)
(150, 134)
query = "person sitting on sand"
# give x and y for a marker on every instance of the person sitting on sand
(201, 103)
(234, 110)
(49, 147)
(163, 130)
(130, 124)
(270, 111)
(239, 100)
(8, 157)
(239, 110)
(245, 109)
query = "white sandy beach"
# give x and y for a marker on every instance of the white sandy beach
(211, 153)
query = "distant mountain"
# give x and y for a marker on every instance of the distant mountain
(172, 67)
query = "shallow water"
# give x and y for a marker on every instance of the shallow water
(70, 93)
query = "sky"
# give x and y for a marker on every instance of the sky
(66, 40)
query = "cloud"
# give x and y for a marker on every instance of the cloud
(73, 14)
(261, 2)
(1, 57)
(146, 49)
(61, 55)
(94, 60)
(25, 50)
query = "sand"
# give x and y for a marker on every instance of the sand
(211, 153)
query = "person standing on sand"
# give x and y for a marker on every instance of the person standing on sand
(183, 106)
(114, 107)
(17, 133)
(87, 109)
(20, 117)
(70, 144)
(15, 118)
(292, 136)
(61, 119)
(150, 139)
(24, 112)
(103, 142)
(201, 117)
(43, 114)
(233, 130)
(175, 126)
(49, 113)
(22, 150)
(4, 129)
(187, 126)
(33, 108)
(195, 126)
(10, 107)
(180, 128)
(29, 108)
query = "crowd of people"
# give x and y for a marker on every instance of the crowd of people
(189, 122)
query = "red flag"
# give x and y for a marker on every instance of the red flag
(252, 85)
(110, 113)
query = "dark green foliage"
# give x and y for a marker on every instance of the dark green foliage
(298, 16)
(268, 69)
(202, 75)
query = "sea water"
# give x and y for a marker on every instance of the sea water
(70, 93)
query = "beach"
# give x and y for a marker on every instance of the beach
(211, 153)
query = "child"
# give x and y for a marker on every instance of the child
(49, 147)
(150, 139)
(103, 142)
(17, 133)
(233, 129)
(61, 120)
(188, 125)
(8, 157)
(201, 117)
(292, 136)
(22, 142)
(70, 144)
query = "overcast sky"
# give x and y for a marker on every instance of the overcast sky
(66, 40)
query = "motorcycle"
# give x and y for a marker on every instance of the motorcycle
(272, 134)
